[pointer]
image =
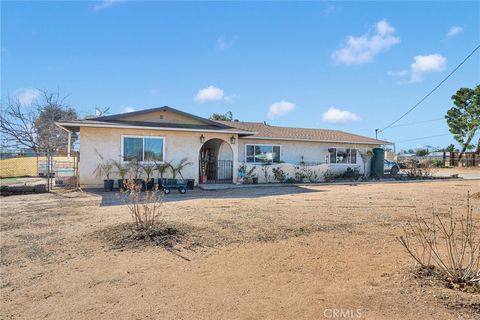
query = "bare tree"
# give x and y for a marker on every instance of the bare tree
(33, 127)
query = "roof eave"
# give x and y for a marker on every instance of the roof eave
(73, 125)
(377, 142)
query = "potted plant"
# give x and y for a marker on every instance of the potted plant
(250, 174)
(149, 182)
(177, 169)
(103, 170)
(122, 171)
(203, 171)
(254, 178)
(136, 169)
(161, 169)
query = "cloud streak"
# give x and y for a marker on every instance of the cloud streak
(453, 31)
(363, 49)
(105, 4)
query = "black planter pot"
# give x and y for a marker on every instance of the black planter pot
(190, 184)
(150, 184)
(140, 182)
(255, 180)
(121, 185)
(108, 185)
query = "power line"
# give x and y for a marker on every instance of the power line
(415, 139)
(432, 91)
(418, 122)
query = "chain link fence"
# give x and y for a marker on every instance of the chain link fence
(25, 172)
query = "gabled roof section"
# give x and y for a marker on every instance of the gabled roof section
(268, 132)
(124, 117)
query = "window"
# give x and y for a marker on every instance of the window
(262, 153)
(342, 155)
(142, 148)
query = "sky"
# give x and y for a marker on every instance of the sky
(350, 66)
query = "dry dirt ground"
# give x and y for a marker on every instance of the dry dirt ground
(316, 252)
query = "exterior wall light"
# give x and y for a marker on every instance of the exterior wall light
(232, 140)
(202, 139)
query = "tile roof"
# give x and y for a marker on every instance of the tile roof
(288, 133)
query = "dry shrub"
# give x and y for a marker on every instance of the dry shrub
(418, 168)
(450, 245)
(145, 207)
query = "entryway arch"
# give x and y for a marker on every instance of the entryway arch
(216, 162)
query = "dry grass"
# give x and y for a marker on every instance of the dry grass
(270, 253)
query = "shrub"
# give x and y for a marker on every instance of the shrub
(451, 245)
(328, 175)
(266, 174)
(145, 207)
(290, 180)
(418, 169)
(437, 163)
(278, 174)
(350, 173)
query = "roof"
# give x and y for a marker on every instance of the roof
(253, 130)
(269, 132)
(120, 121)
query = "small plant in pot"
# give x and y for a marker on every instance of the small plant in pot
(203, 171)
(136, 171)
(149, 169)
(177, 169)
(162, 169)
(122, 171)
(254, 178)
(103, 170)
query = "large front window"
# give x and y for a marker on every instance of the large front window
(143, 148)
(343, 155)
(262, 153)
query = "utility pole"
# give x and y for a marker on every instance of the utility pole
(376, 133)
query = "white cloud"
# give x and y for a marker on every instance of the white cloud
(280, 108)
(26, 96)
(334, 115)
(454, 30)
(105, 4)
(223, 43)
(128, 109)
(210, 93)
(363, 49)
(401, 73)
(427, 64)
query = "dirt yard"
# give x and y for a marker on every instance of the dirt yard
(263, 253)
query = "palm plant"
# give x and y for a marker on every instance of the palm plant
(148, 169)
(135, 168)
(104, 169)
(163, 167)
(122, 169)
(177, 169)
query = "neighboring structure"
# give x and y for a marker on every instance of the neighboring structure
(216, 148)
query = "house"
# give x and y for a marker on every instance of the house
(216, 148)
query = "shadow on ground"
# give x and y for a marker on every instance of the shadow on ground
(116, 198)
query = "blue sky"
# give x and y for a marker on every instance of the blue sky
(352, 66)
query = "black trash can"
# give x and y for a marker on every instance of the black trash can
(190, 184)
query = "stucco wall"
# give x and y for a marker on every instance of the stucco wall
(107, 141)
(313, 152)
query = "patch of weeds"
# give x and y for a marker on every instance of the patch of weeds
(126, 236)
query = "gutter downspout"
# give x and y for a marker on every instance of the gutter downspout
(69, 139)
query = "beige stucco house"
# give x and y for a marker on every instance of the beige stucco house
(215, 148)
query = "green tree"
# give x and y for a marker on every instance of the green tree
(463, 118)
(449, 148)
(223, 117)
(421, 153)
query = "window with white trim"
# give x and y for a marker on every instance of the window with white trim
(343, 155)
(261, 153)
(143, 148)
